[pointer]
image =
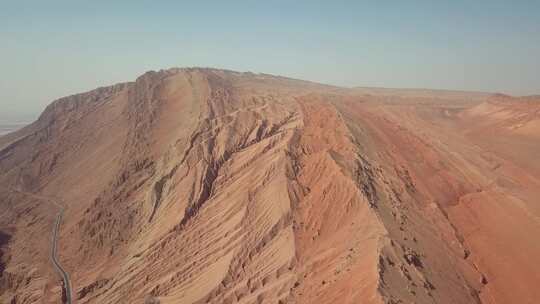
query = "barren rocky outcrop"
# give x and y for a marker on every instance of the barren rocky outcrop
(209, 186)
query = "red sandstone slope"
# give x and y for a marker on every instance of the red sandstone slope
(210, 186)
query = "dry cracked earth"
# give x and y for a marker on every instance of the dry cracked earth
(210, 186)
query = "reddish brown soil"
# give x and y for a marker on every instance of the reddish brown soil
(210, 186)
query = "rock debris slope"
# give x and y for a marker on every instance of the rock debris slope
(210, 186)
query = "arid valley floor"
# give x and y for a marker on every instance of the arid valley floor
(209, 186)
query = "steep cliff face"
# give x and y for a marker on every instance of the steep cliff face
(211, 186)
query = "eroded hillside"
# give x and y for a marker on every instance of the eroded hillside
(211, 186)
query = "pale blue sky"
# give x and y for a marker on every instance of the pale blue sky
(50, 49)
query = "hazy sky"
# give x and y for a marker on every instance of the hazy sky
(49, 49)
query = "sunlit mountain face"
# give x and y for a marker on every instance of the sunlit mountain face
(196, 185)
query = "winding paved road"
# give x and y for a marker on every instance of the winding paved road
(54, 243)
(54, 257)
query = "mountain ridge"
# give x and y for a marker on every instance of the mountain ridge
(282, 190)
